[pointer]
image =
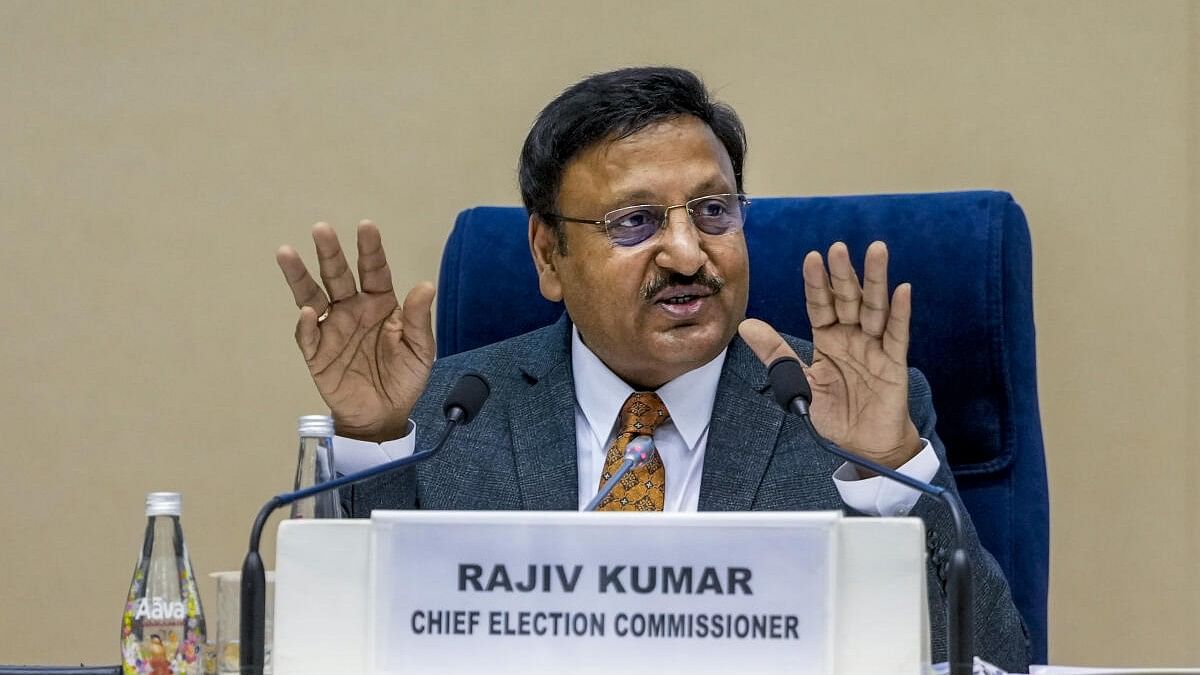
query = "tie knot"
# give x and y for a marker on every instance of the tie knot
(642, 413)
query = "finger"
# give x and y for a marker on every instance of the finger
(308, 334)
(305, 291)
(847, 294)
(873, 314)
(766, 343)
(335, 271)
(373, 271)
(818, 296)
(895, 336)
(418, 323)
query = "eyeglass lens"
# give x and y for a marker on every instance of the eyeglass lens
(715, 214)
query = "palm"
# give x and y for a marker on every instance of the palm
(365, 377)
(859, 373)
(369, 356)
(859, 391)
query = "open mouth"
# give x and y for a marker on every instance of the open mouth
(682, 302)
(680, 294)
(681, 299)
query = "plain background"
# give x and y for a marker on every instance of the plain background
(154, 155)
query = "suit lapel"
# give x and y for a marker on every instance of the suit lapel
(543, 425)
(742, 434)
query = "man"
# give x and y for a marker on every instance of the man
(633, 183)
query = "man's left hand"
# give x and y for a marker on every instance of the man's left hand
(859, 373)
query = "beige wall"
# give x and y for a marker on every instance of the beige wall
(153, 155)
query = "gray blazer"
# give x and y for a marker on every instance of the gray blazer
(519, 453)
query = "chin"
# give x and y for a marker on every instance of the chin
(694, 345)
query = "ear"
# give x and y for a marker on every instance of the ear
(543, 244)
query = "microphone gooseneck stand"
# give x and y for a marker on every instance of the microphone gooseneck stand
(464, 401)
(637, 453)
(792, 392)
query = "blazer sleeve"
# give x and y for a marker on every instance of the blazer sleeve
(1000, 634)
(382, 492)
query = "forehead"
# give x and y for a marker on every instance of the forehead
(667, 162)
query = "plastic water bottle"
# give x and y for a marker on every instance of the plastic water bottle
(314, 466)
(162, 631)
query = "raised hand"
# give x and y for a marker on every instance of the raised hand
(369, 356)
(859, 373)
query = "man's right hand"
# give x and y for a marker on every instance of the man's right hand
(369, 357)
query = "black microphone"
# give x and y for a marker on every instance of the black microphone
(462, 404)
(637, 452)
(790, 386)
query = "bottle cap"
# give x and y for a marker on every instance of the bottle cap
(320, 426)
(164, 504)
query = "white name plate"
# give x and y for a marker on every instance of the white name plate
(518, 592)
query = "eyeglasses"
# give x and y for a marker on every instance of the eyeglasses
(632, 225)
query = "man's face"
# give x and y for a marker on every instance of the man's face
(685, 322)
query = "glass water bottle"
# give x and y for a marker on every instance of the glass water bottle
(162, 631)
(314, 466)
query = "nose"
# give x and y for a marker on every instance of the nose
(679, 244)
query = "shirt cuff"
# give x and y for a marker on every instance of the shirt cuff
(350, 455)
(880, 496)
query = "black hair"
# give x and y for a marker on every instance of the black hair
(611, 106)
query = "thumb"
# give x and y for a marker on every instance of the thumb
(409, 328)
(418, 320)
(766, 342)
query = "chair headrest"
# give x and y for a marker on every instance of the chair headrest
(967, 255)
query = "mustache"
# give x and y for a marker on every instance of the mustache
(663, 281)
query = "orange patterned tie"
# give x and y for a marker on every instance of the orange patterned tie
(643, 488)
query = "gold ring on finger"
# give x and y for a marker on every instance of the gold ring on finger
(325, 314)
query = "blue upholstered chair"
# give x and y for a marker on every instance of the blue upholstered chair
(968, 257)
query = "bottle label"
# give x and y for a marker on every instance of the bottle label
(161, 636)
(159, 610)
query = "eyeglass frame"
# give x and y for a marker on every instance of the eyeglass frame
(742, 200)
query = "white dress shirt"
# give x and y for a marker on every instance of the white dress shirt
(680, 441)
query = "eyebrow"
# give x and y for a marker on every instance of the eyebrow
(713, 185)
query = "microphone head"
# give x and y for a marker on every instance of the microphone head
(466, 398)
(788, 382)
(639, 450)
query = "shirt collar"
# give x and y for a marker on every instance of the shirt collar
(600, 393)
